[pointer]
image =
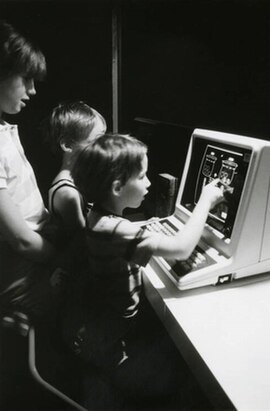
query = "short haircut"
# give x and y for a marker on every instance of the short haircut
(71, 122)
(18, 55)
(109, 158)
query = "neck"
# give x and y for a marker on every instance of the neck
(63, 174)
(66, 161)
(112, 207)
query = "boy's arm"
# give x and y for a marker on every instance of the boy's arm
(68, 205)
(17, 233)
(183, 243)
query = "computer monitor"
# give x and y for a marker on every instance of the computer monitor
(217, 160)
(236, 236)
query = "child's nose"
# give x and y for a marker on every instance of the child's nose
(31, 87)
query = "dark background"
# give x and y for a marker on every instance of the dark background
(184, 64)
(75, 37)
(190, 63)
(197, 63)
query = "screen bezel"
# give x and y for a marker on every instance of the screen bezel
(211, 235)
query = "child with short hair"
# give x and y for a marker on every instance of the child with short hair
(72, 125)
(112, 172)
(69, 128)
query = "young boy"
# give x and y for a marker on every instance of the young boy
(112, 172)
(71, 126)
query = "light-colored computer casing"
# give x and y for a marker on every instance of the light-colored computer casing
(247, 252)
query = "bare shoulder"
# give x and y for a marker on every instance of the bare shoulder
(108, 224)
(66, 199)
(67, 193)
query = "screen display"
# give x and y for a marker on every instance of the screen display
(211, 160)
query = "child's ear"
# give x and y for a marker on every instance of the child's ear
(65, 146)
(117, 187)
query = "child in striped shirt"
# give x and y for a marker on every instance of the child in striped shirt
(112, 172)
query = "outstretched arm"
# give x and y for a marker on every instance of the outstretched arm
(183, 243)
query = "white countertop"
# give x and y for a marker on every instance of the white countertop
(224, 334)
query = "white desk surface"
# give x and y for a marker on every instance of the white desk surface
(223, 333)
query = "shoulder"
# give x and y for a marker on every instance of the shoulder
(63, 187)
(11, 148)
(69, 194)
(65, 196)
(6, 131)
(127, 228)
(117, 226)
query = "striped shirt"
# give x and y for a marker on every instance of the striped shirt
(105, 299)
(116, 250)
(17, 176)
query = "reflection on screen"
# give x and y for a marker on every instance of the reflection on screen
(214, 160)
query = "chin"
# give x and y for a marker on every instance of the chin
(15, 110)
(138, 205)
(134, 206)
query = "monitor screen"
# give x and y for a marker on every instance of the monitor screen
(210, 160)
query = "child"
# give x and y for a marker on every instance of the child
(23, 216)
(71, 126)
(111, 171)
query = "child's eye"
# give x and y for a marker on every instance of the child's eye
(27, 79)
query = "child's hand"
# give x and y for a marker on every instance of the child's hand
(213, 193)
(145, 222)
(152, 220)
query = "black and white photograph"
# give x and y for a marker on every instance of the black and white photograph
(134, 205)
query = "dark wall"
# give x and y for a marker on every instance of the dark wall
(75, 37)
(193, 63)
(197, 63)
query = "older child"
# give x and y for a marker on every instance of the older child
(112, 172)
(72, 125)
(23, 215)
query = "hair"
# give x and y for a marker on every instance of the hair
(109, 158)
(18, 55)
(71, 122)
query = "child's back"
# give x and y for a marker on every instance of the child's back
(71, 126)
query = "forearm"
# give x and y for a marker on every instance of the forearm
(183, 243)
(193, 229)
(33, 247)
(15, 232)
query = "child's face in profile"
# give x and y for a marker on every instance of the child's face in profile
(15, 91)
(136, 188)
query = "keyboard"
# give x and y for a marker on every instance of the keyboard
(162, 226)
(197, 260)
